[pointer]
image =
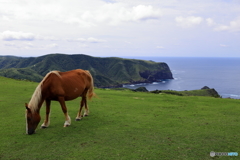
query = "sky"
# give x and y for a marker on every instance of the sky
(120, 28)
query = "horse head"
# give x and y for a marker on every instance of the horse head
(32, 120)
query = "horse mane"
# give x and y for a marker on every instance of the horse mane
(37, 95)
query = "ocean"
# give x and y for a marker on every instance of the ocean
(222, 74)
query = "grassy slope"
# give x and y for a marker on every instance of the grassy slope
(122, 125)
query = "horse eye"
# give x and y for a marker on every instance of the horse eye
(29, 119)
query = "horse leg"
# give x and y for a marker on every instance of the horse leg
(79, 115)
(64, 109)
(86, 112)
(83, 103)
(46, 122)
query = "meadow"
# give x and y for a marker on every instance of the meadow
(122, 125)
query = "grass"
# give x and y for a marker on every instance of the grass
(122, 125)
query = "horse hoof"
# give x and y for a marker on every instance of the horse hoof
(43, 127)
(66, 125)
(85, 115)
(77, 119)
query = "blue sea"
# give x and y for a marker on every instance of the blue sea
(222, 74)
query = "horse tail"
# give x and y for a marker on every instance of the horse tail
(91, 88)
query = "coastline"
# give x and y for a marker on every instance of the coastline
(191, 73)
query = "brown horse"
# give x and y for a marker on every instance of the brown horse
(59, 86)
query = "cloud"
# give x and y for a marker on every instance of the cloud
(50, 38)
(74, 12)
(224, 45)
(94, 40)
(20, 36)
(11, 44)
(122, 26)
(234, 26)
(21, 45)
(210, 22)
(188, 21)
(109, 1)
(87, 40)
(53, 45)
(114, 14)
(160, 47)
(24, 36)
(142, 12)
(5, 18)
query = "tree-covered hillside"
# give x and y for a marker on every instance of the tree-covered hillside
(107, 72)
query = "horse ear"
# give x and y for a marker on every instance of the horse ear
(26, 105)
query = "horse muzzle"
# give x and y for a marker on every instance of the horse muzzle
(30, 131)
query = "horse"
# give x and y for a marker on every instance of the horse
(61, 87)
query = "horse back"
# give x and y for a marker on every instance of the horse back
(70, 84)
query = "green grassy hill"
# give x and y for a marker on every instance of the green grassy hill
(122, 125)
(107, 72)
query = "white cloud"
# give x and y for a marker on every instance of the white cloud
(5, 18)
(87, 40)
(50, 38)
(20, 45)
(117, 27)
(234, 26)
(29, 44)
(160, 47)
(10, 44)
(142, 12)
(210, 22)
(24, 36)
(53, 45)
(95, 40)
(75, 12)
(116, 13)
(188, 21)
(224, 45)
(21, 36)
